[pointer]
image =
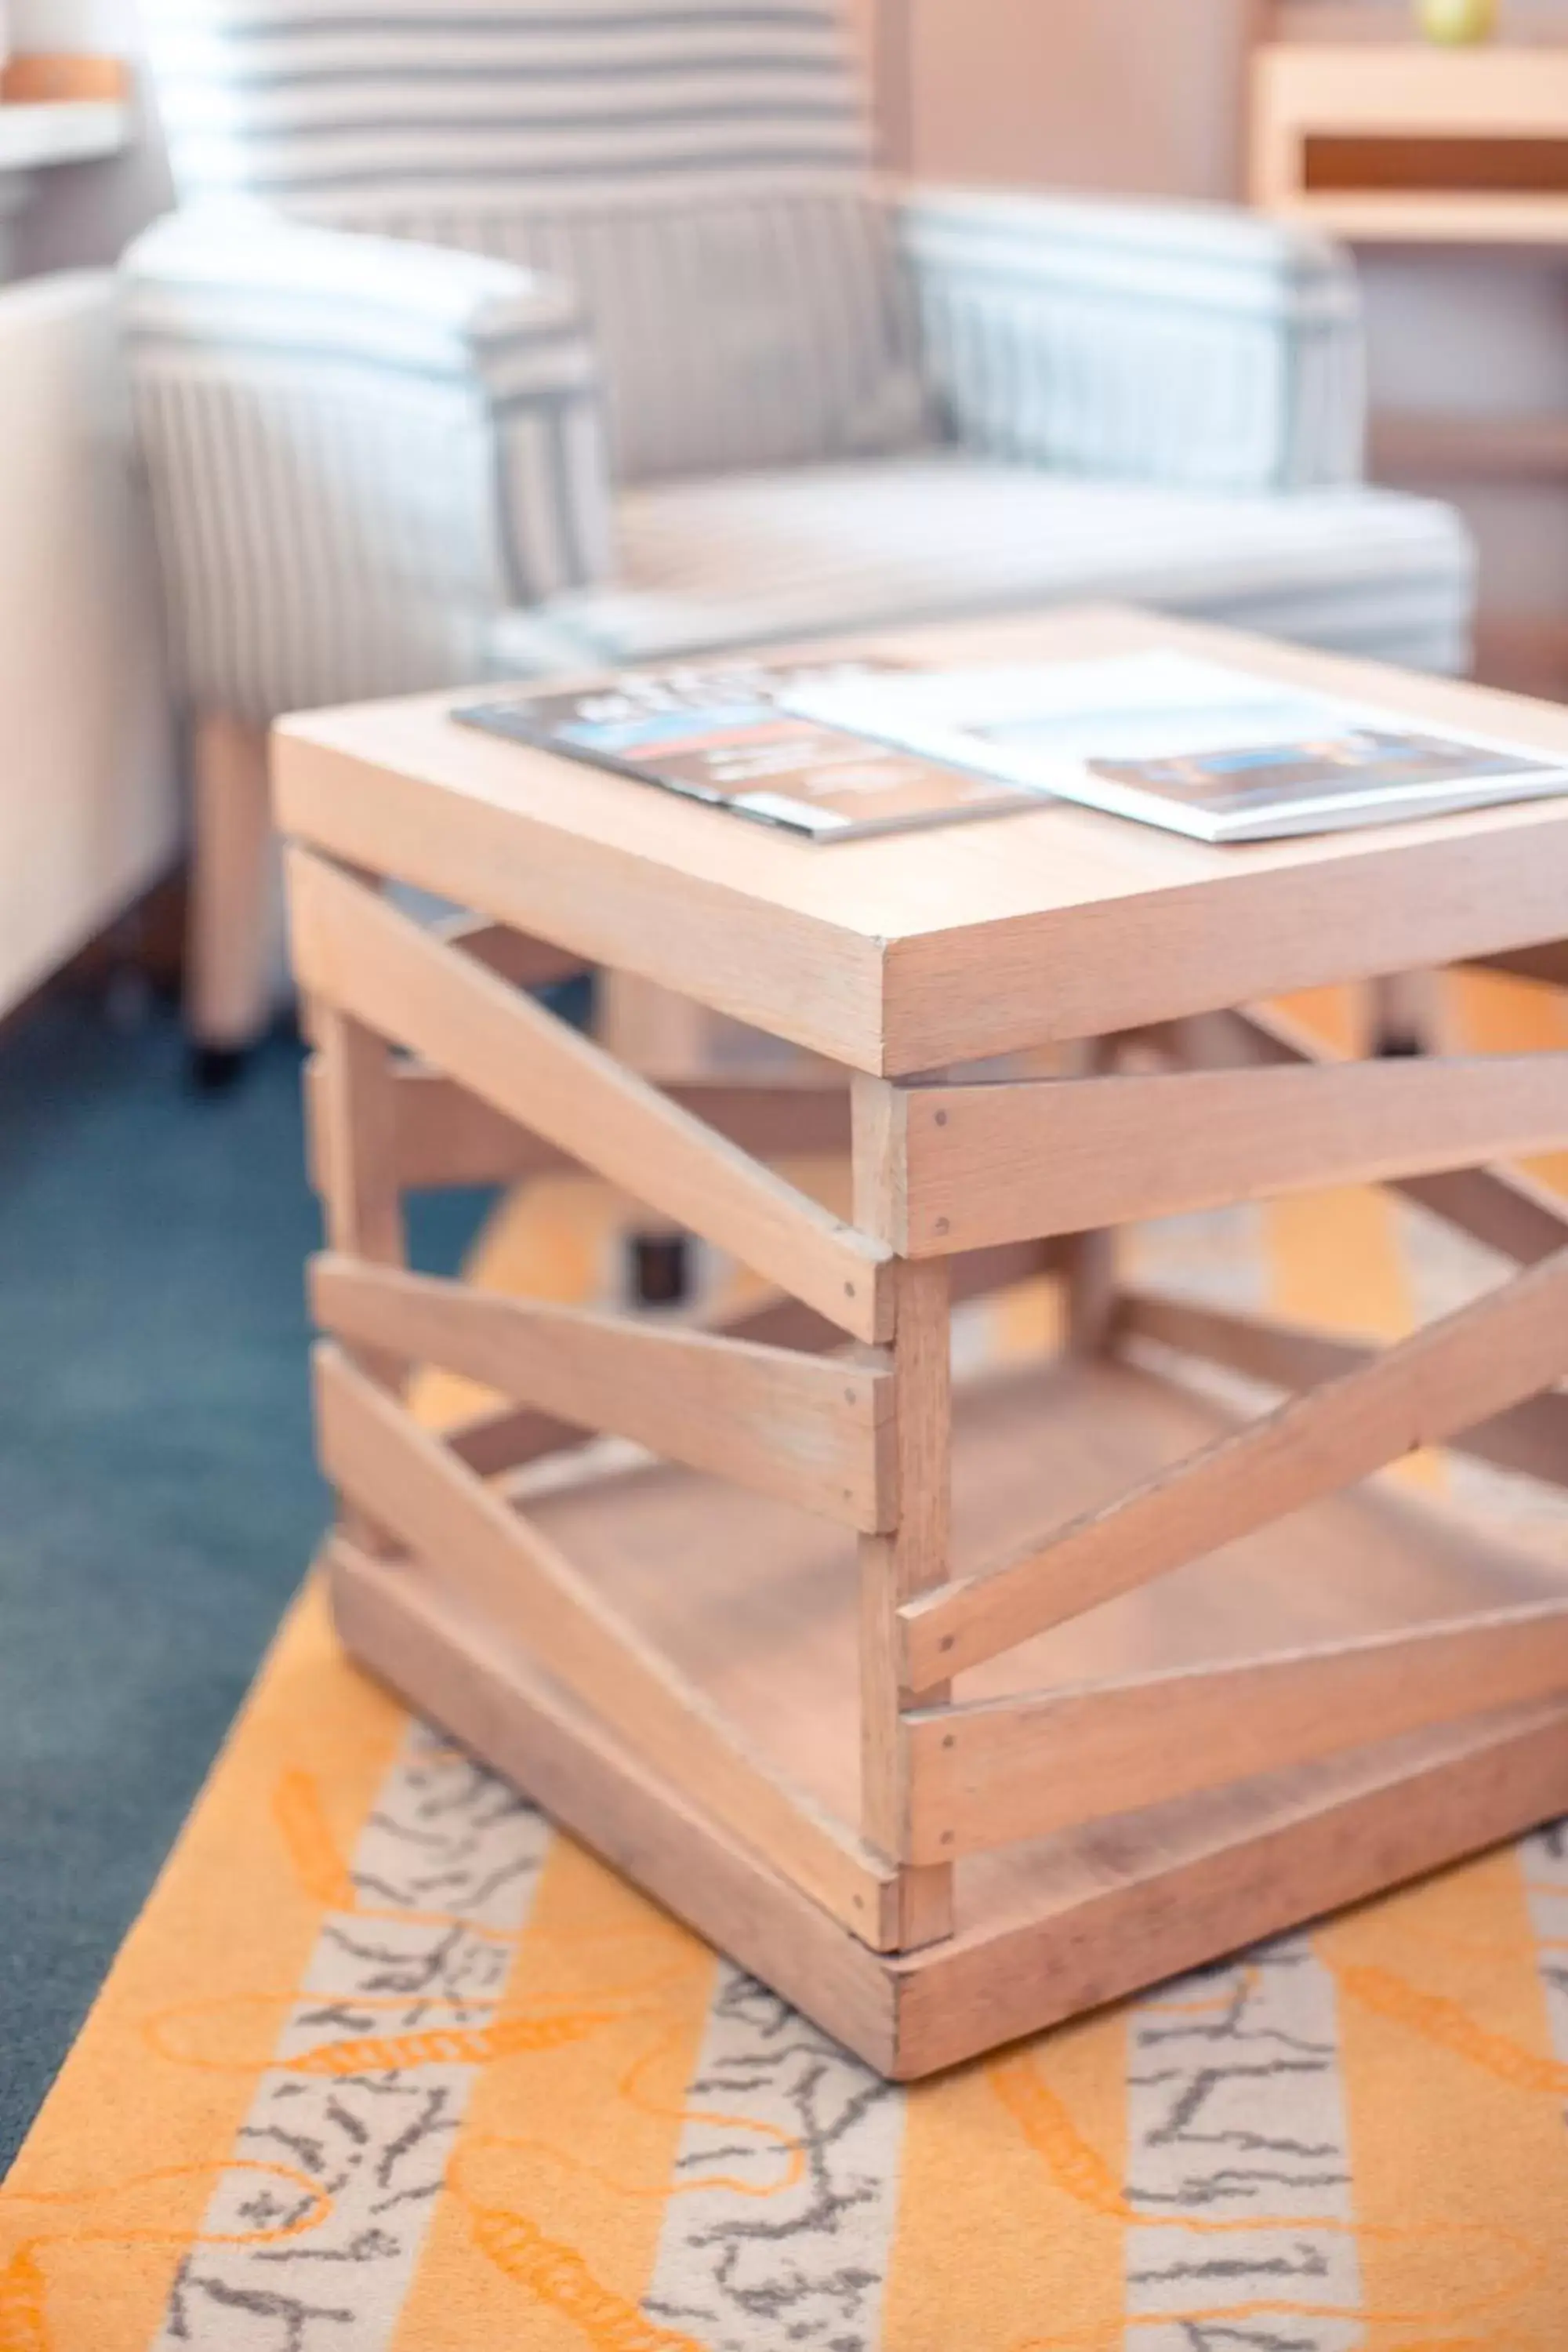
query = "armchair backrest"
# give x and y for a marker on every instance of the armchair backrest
(698, 169)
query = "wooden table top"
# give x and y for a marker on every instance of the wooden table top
(907, 952)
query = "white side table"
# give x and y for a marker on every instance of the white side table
(88, 806)
(34, 137)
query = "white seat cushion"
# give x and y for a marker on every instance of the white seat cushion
(757, 558)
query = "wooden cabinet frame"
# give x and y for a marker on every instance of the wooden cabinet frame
(950, 1705)
(432, 1067)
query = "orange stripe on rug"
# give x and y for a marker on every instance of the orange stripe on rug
(1012, 2224)
(556, 2186)
(1448, 2064)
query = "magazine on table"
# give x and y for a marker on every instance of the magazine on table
(1221, 754)
(723, 736)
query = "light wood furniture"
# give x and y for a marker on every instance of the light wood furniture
(1412, 143)
(1403, 144)
(233, 907)
(947, 1709)
(64, 77)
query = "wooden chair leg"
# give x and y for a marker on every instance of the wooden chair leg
(1404, 1013)
(659, 1034)
(233, 916)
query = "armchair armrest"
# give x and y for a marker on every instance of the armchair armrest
(360, 451)
(1192, 345)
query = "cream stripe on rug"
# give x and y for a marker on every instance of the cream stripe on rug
(366, 2089)
(783, 2239)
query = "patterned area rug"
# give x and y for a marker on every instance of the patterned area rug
(387, 2066)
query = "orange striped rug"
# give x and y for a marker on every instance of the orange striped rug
(386, 2066)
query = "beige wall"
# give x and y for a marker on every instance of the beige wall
(1142, 96)
(1136, 96)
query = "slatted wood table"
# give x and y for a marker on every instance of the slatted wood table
(948, 1709)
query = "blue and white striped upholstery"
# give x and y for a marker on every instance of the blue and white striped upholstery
(358, 449)
(1133, 341)
(464, 296)
(697, 169)
(706, 564)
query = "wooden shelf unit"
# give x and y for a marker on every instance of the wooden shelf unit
(948, 1709)
(1400, 143)
(1411, 144)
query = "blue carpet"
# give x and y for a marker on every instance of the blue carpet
(158, 1503)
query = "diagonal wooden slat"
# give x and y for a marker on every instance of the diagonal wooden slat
(808, 1430)
(507, 1437)
(1450, 1376)
(1005, 1769)
(510, 1436)
(1548, 964)
(445, 1135)
(1532, 1436)
(995, 1162)
(516, 956)
(467, 1539)
(355, 952)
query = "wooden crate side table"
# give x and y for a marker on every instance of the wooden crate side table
(948, 1709)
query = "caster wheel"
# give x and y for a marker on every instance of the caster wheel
(216, 1069)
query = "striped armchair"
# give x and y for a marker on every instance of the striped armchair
(531, 333)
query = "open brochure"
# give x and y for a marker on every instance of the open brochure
(1200, 748)
(721, 736)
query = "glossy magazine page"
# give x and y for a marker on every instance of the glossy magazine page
(1199, 746)
(722, 736)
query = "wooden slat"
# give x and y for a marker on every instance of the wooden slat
(1453, 1374)
(446, 1135)
(993, 1163)
(467, 1536)
(1532, 1437)
(1262, 1348)
(1549, 965)
(1090, 1268)
(355, 952)
(421, 1640)
(1501, 1207)
(352, 1101)
(515, 956)
(812, 1432)
(915, 1555)
(507, 1437)
(352, 1117)
(990, 1774)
